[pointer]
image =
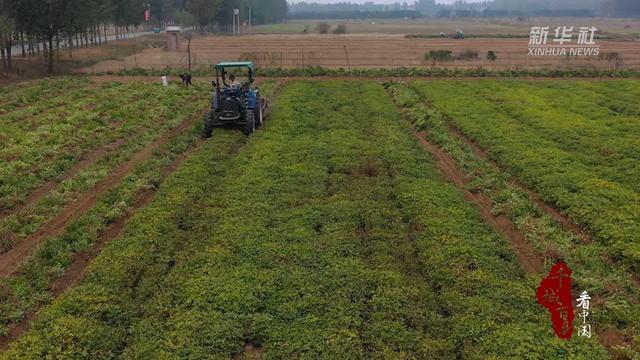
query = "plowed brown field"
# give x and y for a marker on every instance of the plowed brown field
(363, 51)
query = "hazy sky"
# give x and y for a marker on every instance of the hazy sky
(376, 1)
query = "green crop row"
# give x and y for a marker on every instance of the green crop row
(575, 120)
(138, 260)
(362, 252)
(134, 128)
(28, 116)
(31, 287)
(45, 151)
(394, 72)
(20, 95)
(139, 129)
(54, 103)
(130, 267)
(41, 146)
(551, 154)
(617, 296)
(330, 235)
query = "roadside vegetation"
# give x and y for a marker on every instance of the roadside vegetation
(436, 56)
(323, 28)
(330, 234)
(341, 29)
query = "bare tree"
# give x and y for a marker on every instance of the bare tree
(7, 28)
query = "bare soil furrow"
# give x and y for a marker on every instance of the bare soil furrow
(531, 261)
(549, 209)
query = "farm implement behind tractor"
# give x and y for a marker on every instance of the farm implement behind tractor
(234, 104)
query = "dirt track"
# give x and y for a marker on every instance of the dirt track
(550, 210)
(531, 262)
(363, 51)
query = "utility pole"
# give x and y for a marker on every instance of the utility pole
(147, 15)
(236, 21)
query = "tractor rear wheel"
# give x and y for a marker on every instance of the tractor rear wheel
(249, 122)
(207, 131)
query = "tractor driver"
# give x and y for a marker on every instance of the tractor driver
(234, 83)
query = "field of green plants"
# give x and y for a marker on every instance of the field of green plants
(576, 144)
(49, 128)
(64, 138)
(328, 234)
(615, 286)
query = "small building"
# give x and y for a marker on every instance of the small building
(173, 37)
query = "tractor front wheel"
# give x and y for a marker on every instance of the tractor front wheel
(207, 131)
(249, 122)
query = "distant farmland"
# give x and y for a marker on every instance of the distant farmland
(369, 51)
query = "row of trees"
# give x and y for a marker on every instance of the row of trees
(507, 8)
(624, 8)
(217, 14)
(36, 26)
(42, 26)
(320, 7)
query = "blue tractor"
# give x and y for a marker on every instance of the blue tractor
(234, 104)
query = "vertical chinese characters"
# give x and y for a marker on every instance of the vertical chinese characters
(583, 307)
